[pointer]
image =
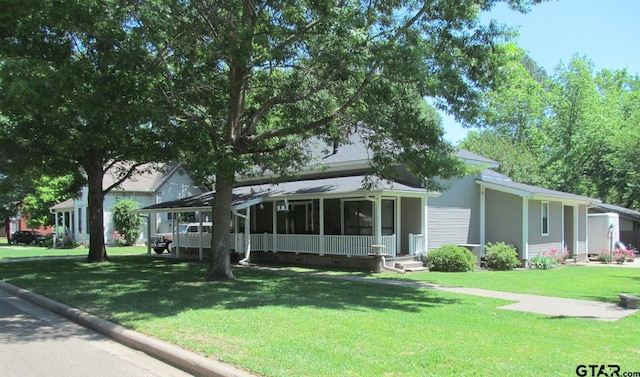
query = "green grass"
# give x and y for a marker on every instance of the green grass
(579, 282)
(27, 251)
(595, 283)
(291, 324)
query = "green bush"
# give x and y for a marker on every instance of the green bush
(450, 258)
(605, 257)
(543, 262)
(501, 257)
(127, 223)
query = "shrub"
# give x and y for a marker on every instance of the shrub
(549, 259)
(605, 256)
(450, 258)
(501, 257)
(126, 222)
(543, 262)
(69, 243)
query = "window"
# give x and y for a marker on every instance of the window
(358, 218)
(388, 218)
(544, 217)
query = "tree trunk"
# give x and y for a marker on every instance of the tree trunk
(97, 250)
(220, 259)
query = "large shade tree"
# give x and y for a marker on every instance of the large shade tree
(260, 77)
(511, 127)
(573, 131)
(76, 94)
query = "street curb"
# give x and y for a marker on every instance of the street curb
(159, 349)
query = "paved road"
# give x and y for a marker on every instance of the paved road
(36, 342)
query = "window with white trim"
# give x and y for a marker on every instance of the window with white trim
(544, 218)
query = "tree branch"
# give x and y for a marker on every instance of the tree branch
(374, 71)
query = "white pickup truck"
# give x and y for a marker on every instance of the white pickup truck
(188, 233)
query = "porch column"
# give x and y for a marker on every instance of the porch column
(200, 251)
(425, 222)
(149, 233)
(378, 223)
(575, 231)
(76, 217)
(72, 223)
(176, 229)
(247, 233)
(483, 219)
(321, 226)
(56, 226)
(576, 214)
(275, 227)
(397, 225)
(525, 230)
(236, 236)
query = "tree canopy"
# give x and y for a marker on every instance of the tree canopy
(246, 82)
(76, 95)
(258, 77)
(574, 131)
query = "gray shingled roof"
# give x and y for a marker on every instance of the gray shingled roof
(145, 182)
(356, 150)
(310, 187)
(622, 211)
(67, 204)
(473, 157)
(529, 190)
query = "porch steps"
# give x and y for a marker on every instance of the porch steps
(408, 264)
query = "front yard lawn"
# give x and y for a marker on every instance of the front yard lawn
(28, 251)
(596, 283)
(291, 324)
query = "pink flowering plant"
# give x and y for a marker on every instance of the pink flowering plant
(621, 255)
(617, 255)
(549, 259)
(119, 238)
(559, 255)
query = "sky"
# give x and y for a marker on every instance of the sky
(605, 31)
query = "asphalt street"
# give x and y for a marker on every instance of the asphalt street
(36, 342)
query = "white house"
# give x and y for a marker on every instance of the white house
(168, 182)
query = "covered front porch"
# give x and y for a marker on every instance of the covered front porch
(324, 217)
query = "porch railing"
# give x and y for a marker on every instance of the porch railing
(317, 244)
(297, 243)
(192, 240)
(416, 244)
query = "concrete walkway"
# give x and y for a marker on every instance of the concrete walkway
(552, 306)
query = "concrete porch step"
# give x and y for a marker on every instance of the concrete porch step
(409, 265)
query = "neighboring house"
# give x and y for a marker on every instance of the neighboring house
(169, 182)
(628, 224)
(18, 223)
(329, 216)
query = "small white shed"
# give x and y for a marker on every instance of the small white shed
(604, 231)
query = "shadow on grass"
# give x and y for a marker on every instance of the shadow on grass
(141, 287)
